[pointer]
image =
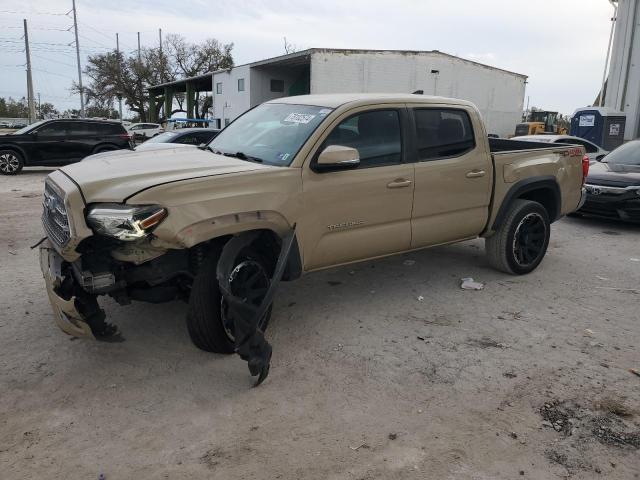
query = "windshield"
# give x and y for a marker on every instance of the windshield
(627, 154)
(271, 133)
(28, 128)
(165, 137)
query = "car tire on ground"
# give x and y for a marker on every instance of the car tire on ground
(11, 162)
(209, 327)
(519, 245)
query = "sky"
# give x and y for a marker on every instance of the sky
(560, 45)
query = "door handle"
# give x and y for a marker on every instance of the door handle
(399, 183)
(475, 173)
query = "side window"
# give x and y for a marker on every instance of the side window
(81, 129)
(218, 88)
(55, 129)
(442, 133)
(190, 139)
(376, 136)
(241, 84)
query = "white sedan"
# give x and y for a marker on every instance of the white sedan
(594, 152)
(144, 131)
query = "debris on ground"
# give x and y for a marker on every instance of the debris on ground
(486, 342)
(469, 283)
(614, 406)
(635, 371)
(635, 259)
(509, 375)
(409, 263)
(610, 432)
(560, 415)
(604, 279)
(588, 332)
(420, 298)
(334, 283)
(393, 436)
(364, 446)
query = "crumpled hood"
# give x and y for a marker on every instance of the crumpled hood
(613, 175)
(114, 178)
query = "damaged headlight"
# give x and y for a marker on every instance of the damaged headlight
(125, 222)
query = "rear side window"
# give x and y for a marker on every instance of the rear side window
(108, 128)
(442, 133)
(54, 129)
(376, 136)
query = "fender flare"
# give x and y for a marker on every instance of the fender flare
(546, 182)
(20, 150)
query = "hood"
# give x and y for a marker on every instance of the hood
(145, 147)
(613, 174)
(161, 146)
(114, 178)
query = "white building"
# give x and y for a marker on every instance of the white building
(499, 94)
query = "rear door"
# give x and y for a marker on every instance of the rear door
(364, 212)
(453, 175)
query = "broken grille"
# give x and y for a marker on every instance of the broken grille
(54, 216)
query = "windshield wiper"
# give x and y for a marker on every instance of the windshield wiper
(243, 156)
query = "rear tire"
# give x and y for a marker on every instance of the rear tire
(209, 328)
(519, 245)
(11, 162)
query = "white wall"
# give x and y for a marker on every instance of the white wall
(231, 102)
(623, 85)
(499, 95)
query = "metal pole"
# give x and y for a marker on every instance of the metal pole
(39, 107)
(119, 77)
(75, 29)
(606, 62)
(32, 109)
(138, 47)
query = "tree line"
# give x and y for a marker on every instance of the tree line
(116, 75)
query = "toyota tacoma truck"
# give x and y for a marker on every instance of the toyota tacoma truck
(354, 176)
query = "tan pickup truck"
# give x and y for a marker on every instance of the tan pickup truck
(356, 176)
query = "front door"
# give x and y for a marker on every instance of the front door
(363, 212)
(453, 175)
(51, 146)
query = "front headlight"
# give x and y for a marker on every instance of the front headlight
(125, 222)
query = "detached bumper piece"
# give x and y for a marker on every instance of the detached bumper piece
(250, 343)
(76, 312)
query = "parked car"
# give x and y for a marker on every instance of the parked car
(187, 136)
(59, 142)
(345, 177)
(613, 185)
(144, 131)
(594, 152)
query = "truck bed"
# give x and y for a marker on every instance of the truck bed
(497, 145)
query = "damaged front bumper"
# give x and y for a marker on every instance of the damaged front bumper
(65, 310)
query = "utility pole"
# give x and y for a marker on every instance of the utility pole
(139, 60)
(32, 109)
(39, 107)
(161, 62)
(75, 28)
(119, 77)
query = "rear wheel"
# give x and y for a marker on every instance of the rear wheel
(11, 162)
(521, 242)
(210, 327)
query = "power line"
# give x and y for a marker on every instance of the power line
(34, 13)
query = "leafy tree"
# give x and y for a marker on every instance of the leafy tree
(113, 75)
(47, 110)
(14, 108)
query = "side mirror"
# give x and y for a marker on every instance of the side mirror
(338, 157)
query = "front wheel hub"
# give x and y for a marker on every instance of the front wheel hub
(9, 163)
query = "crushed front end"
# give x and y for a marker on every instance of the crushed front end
(105, 249)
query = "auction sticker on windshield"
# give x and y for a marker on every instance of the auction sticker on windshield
(299, 118)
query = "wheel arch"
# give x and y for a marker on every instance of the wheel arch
(543, 189)
(97, 148)
(17, 149)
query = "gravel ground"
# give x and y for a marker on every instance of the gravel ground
(527, 378)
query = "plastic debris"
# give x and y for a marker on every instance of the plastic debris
(409, 263)
(604, 279)
(469, 283)
(635, 259)
(420, 298)
(636, 372)
(588, 332)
